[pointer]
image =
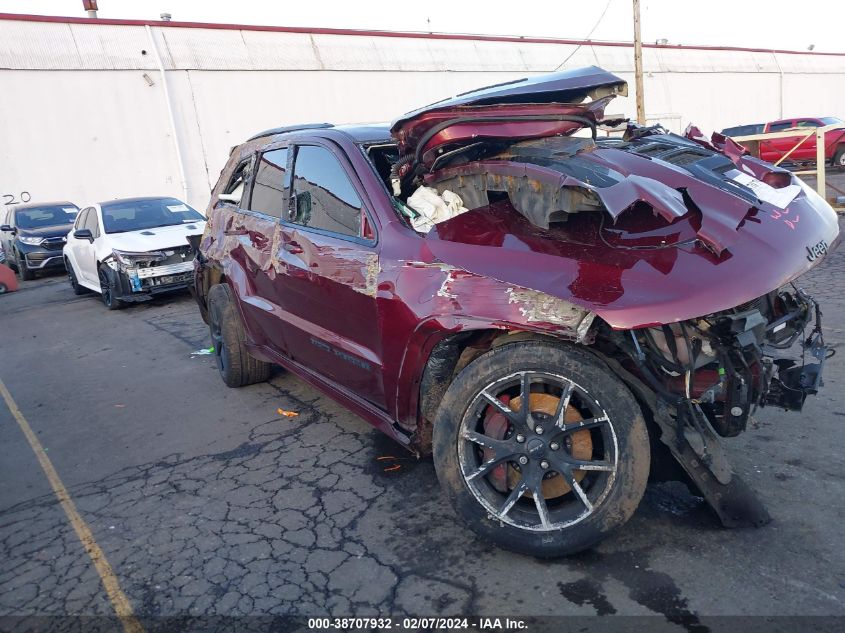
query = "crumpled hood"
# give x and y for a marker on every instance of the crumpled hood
(640, 270)
(570, 86)
(533, 107)
(155, 238)
(551, 178)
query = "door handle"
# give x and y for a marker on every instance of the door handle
(292, 247)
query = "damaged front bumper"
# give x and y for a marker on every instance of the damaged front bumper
(703, 378)
(140, 283)
(727, 364)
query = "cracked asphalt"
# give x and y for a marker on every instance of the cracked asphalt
(206, 501)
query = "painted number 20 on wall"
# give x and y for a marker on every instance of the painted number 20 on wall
(11, 198)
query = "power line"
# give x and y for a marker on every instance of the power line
(592, 30)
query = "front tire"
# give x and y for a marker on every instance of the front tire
(108, 283)
(551, 474)
(237, 368)
(839, 158)
(74, 282)
(23, 270)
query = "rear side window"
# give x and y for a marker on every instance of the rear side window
(324, 197)
(271, 181)
(238, 180)
(780, 127)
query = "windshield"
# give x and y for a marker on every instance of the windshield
(40, 217)
(136, 215)
(831, 120)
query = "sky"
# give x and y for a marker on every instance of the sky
(777, 24)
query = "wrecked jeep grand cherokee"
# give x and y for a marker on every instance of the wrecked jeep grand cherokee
(554, 316)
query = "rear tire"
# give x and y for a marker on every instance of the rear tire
(107, 285)
(237, 368)
(3, 289)
(839, 158)
(535, 499)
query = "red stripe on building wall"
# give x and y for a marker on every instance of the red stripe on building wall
(21, 17)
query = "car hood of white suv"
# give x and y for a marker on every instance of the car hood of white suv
(156, 238)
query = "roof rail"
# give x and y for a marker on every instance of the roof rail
(291, 128)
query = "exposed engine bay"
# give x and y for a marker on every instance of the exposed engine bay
(723, 366)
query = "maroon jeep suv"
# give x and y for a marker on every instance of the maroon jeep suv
(554, 315)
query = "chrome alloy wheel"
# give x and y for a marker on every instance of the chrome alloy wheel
(537, 451)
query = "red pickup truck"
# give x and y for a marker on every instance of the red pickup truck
(834, 141)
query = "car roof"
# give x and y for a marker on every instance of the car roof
(36, 205)
(357, 132)
(138, 199)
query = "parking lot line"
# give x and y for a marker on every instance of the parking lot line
(120, 602)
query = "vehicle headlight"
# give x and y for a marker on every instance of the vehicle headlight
(130, 260)
(32, 241)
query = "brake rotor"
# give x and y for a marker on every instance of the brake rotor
(581, 447)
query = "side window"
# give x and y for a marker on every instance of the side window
(324, 197)
(271, 182)
(237, 183)
(780, 127)
(92, 223)
(80, 219)
(807, 123)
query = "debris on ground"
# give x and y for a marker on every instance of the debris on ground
(391, 458)
(203, 352)
(287, 414)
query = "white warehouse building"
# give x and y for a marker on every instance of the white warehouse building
(98, 109)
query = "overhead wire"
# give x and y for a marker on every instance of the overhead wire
(592, 30)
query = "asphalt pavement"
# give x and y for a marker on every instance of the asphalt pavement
(205, 500)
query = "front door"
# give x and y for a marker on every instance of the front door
(84, 257)
(329, 262)
(87, 253)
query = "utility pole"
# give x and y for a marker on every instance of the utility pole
(638, 64)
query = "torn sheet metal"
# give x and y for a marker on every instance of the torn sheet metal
(548, 180)
(455, 291)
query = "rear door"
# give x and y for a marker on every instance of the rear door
(329, 263)
(261, 212)
(249, 235)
